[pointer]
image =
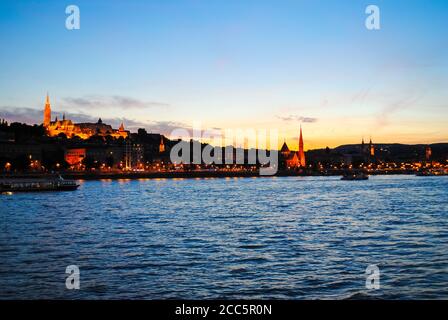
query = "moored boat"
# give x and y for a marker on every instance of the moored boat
(350, 176)
(432, 172)
(34, 185)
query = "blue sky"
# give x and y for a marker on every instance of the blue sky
(233, 64)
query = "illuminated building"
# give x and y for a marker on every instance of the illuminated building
(367, 151)
(371, 148)
(47, 112)
(290, 158)
(301, 150)
(75, 156)
(293, 159)
(428, 153)
(82, 130)
(162, 145)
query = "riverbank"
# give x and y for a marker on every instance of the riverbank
(182, 174)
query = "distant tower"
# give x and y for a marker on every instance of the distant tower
(47, 112)
(285, 150)
(161, 145)
(428, 153)
(371, 148)
(301, 151)
(121, 129)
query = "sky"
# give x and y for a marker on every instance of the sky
(233, 64)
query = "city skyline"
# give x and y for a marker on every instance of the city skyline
(58, 118)
(168, 65)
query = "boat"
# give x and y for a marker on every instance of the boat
(425, 174)
(33, 185)
(350, 176)
(431, 173)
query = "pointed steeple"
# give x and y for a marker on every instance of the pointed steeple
(301, 149)
(162, 145)
(121, 127)
(428, 153)
(363, 146)
(47, 111)
(284, 148)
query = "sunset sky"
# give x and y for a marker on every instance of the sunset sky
(233, 64)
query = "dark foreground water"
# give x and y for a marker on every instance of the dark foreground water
(287, 238)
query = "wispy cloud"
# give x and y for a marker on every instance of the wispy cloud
(35, 116)
(382, 118)
(298, 118)
(114, 101)
(166, 127)
(23, 115)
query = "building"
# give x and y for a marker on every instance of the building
(289, 159)
(82, 130)
(367, 151)
(371, 148)
(134, 155)
(7, 137)
(293, 159)
(47, 112)
(161, 145)
(301, 150)
(428, 153)
(12, 150)
(75, 156)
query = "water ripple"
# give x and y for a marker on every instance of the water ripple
(279, 238)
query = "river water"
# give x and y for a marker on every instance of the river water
(266, 238)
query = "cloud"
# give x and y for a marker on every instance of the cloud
(23, 115)
(114, 101)
(298, 118)
(382, 117)
(361, 95)
(166, 127)
(35, 116)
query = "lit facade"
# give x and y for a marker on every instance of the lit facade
(428, 153)
(75, 156)
(301, 150)
(293, 159)
(81, 130)
(161, 145)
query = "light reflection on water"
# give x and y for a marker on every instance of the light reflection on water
(287, 238)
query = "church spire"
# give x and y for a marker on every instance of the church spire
(371, 148)
(162, 145)
(47, 111)
(301, 149)
(284, 150)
